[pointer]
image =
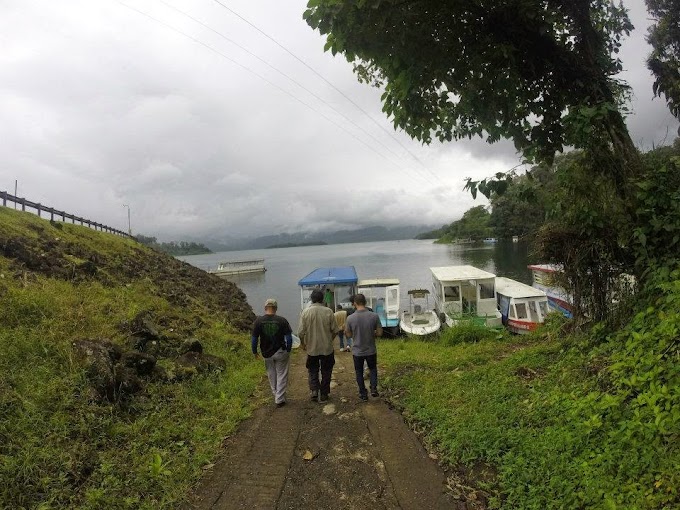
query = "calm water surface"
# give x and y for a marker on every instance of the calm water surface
(407, 260)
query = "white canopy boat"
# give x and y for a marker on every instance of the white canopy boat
(522, 306)
(465, 294)
(239, 267)
(382, 296)
(419, 319)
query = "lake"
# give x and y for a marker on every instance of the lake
(407, 260)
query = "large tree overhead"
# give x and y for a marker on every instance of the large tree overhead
(539, 72)
(664, 62)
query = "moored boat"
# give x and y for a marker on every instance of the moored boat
(465, 294)
(341, 281)
(545, 277)
(523, 307)
(419, 319)
(239, 267)
(382, 296)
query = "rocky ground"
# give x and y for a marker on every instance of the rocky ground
(343, 454)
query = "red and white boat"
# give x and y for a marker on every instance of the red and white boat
(523, 307)
(544, 277)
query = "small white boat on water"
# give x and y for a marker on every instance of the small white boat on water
(523, 307)
(239, 267)
(419, 319)
(465, 294)
(382, 296)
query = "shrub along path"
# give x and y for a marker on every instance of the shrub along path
(343, 454)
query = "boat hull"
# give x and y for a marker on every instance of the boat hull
(420, 324)
(242, 271)
(521, 327)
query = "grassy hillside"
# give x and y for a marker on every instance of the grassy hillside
(142, 444)
(551, 420)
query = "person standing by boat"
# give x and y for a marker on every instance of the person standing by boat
(317, 331)
(328, 298)
(340, 319)
(274, 335)
(363, 326)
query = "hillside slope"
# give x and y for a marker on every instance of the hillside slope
(121, 368)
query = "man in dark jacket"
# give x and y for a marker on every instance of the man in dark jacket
(274, 335)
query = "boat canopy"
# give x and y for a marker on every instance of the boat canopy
(515, 289)
(455, 273)
(417, 293)
(330, 276)
(378, 282)
(548, 268)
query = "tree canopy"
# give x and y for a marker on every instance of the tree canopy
(538, 72)
(664, 61)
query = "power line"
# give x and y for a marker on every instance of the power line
(282, 73)
(259, 76)
(327, 81)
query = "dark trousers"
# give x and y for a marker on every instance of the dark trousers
(324, 364)
(372, 362)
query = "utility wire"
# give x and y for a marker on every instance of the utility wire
(261, 77)
(293, 80)
(327, 81)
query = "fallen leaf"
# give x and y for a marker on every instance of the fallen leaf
(308, 455)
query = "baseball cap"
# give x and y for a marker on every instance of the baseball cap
(271, 302)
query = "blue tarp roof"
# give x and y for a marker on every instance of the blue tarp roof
(329, 275)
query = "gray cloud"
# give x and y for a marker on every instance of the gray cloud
(102, 106)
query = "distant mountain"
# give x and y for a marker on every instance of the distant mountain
(365, 234)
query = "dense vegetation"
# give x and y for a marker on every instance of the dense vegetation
(664, 37)
(474, 226)
(584, 417)
(174, 247)
(551, 420)
(63, 445)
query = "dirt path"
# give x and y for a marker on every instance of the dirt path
(364, 455)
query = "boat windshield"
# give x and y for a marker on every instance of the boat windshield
(486, 291)
(451, 293)
(521, 310)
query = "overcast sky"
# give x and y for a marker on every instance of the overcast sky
(102, 106)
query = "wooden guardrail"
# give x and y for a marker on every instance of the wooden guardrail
(6, 197)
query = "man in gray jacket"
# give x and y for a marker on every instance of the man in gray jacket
(363, 326)
(316, 332)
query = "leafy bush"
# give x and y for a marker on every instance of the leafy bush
(563, 425)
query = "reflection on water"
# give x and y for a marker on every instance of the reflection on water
(407, 260)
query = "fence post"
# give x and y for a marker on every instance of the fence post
(23, 204)
(4, 199)
(39, 210)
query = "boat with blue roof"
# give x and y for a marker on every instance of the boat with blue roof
(341, 281)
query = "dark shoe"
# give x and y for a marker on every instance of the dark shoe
(374, 393)
(323, 397)
(363, 398)
(281, 404)
(314, 395)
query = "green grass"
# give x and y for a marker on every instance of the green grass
(62, 448)
(545, 416)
